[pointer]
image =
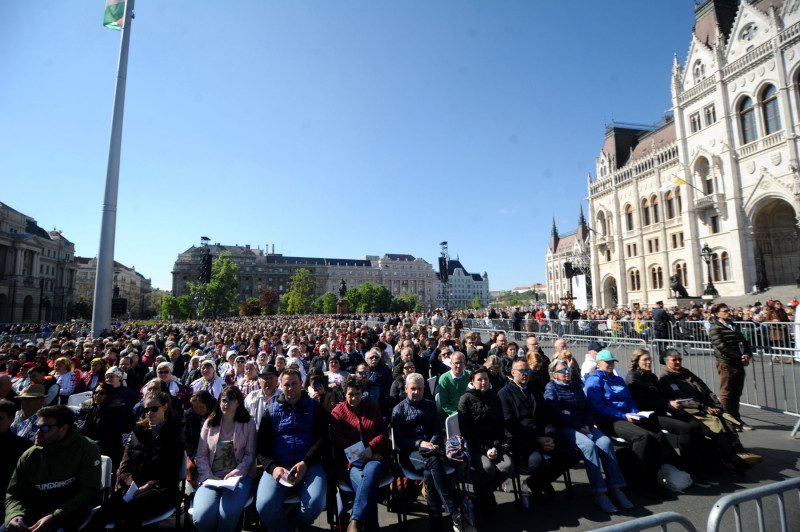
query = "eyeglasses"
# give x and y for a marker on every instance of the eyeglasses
(525, 371)
(152, 409)
(373, 358)
(562, 370)
(44, 429)
(409, 368)
(365, 373)
(226, 401)
(163, 371)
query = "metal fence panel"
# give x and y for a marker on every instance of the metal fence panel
(735, 500)
(651, 521)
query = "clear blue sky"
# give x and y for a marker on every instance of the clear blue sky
(329, 128)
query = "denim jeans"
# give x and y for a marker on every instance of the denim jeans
(270, 496)
(219, 509)
(596, 450)
(433, 473)
(365, 482)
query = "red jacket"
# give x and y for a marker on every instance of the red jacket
(345, 425)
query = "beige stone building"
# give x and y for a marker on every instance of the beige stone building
(259, 270)
(37, 270)
(132, 285)
(721, 171)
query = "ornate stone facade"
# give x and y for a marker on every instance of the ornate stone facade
(133, 286)
(37, 270)
(722, 170)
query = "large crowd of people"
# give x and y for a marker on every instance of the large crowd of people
(270, 407)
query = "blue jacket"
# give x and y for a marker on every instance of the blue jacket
(415, 422)
(569, 405)
(609, 396)
(291, 433)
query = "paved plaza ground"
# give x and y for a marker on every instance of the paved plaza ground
(771, 439)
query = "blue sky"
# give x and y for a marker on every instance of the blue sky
(328, 128)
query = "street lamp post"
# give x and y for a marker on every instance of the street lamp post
(710, 289)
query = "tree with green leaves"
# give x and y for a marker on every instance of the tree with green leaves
(82, 309)
(406, 300)
(283, 304)
(327, 303)
(219, 296)
(477, 303)
(176, 308)
(301, 286)
(249, 307)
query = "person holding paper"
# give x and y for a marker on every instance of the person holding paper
(616, 414)
(575, 427)
(292, 437)
(358, 427)
(227, 450)
(147, 481)
(669, 415)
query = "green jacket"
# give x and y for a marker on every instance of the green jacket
(63, 479)
(450, 391)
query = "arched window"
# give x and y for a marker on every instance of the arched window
(654, 201)
(670, 205)
(699, 71)
(680, 271)
(636, 282)
(645, 212)
(721, 266)
(657, 277)
(629, 217)
(678, 202)
(747, 121)
(601, 223)
(772, 116)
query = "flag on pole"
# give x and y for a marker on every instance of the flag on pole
(115, 14)
(673, 184)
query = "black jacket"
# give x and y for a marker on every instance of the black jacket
(480, 419)
(153, 459)
(729, 344)
(526, 415)
(646, 392)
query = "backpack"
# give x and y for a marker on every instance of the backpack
(457, 452)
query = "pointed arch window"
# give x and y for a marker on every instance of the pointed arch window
(772, 116)
(670, 205)
(645, 212)
(636, 281)
(629, 217)
(747, 121)
(721, 266)
(657, 277)
(654, 202)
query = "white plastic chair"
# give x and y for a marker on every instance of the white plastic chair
(77, 398)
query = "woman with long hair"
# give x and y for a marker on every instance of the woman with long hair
(226, 450)
(65, 378)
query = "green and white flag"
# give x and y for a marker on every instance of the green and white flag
(115, 14)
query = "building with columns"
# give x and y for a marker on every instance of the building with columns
(720, 171)
(128, 284)
(37, 270)
(259, 269)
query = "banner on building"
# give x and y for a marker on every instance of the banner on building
(579, 295)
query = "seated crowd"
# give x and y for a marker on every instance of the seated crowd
(268, 408)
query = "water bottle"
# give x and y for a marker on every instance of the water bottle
(526, 495)
(507, 485)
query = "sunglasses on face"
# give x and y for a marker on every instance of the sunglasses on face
(152, 409)
(44, 429)
(365, 373)
(525, 371)
(562, 370)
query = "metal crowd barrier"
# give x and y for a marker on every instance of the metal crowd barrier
(660, 520)
(735, 500)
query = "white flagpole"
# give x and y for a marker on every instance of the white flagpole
(104, 278)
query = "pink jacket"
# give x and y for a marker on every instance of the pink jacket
(244, 448)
